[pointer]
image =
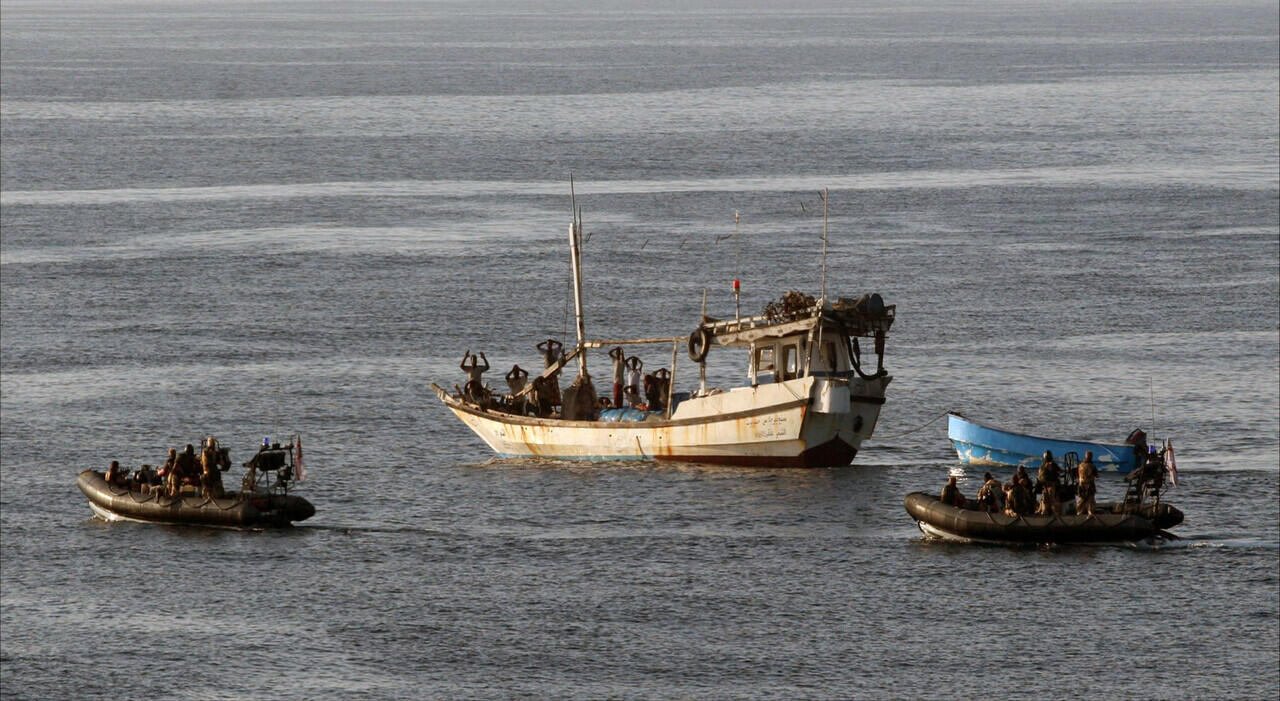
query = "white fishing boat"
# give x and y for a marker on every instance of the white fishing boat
(808, 400)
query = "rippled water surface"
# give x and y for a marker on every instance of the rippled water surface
(248, 219)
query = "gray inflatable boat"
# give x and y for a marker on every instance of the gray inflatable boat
(236, 510)
(1108, 523)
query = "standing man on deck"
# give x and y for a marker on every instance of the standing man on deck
(552, 352)
(1086, 485)
(634, 381)
(474, 389)
(619, 374)
(1048, 480)
(211, 469)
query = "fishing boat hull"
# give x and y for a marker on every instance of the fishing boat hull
(805, 422)
(985, 446)
(114, 503)
(970, 525)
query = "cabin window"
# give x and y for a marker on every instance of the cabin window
(764, 364)
(829, 356)
(790, 362)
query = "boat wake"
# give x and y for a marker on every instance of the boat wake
(1225, 543)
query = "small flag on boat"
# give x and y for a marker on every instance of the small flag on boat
(299, 471)
(1169, 463)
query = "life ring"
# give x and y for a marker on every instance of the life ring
(699, 344)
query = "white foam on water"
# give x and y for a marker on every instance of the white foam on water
(1259, 176)
(285, 239)
(104, 382)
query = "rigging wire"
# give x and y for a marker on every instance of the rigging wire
(917, 428)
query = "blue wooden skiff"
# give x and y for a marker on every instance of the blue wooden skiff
(984, 446)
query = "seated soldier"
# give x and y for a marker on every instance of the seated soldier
(183, 471)
(167, 467)
(1018, 500)
(142, 479)
(951, 495)
(990, 495)
(114, 475)
(1021, 476)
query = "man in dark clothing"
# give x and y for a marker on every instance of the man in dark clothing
(184, 468)
(540, 397)
(142, 479)
(951, 495)
(113, 473)
(653, 393)
(552, 352)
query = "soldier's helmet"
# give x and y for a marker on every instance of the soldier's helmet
(1048, 455)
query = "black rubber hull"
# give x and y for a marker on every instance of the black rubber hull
(234, 511)
(969, 524)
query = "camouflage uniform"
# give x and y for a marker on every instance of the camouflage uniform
(1022, 477)
(991, 496)
(1019, 501)
(1048, 479)
(1087, 488)
(211, 470)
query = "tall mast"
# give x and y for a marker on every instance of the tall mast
(824, 248)
(737, 269)
(575, 242)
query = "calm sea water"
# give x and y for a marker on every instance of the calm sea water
(248, 219)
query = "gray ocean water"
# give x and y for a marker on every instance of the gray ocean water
(247, 219)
